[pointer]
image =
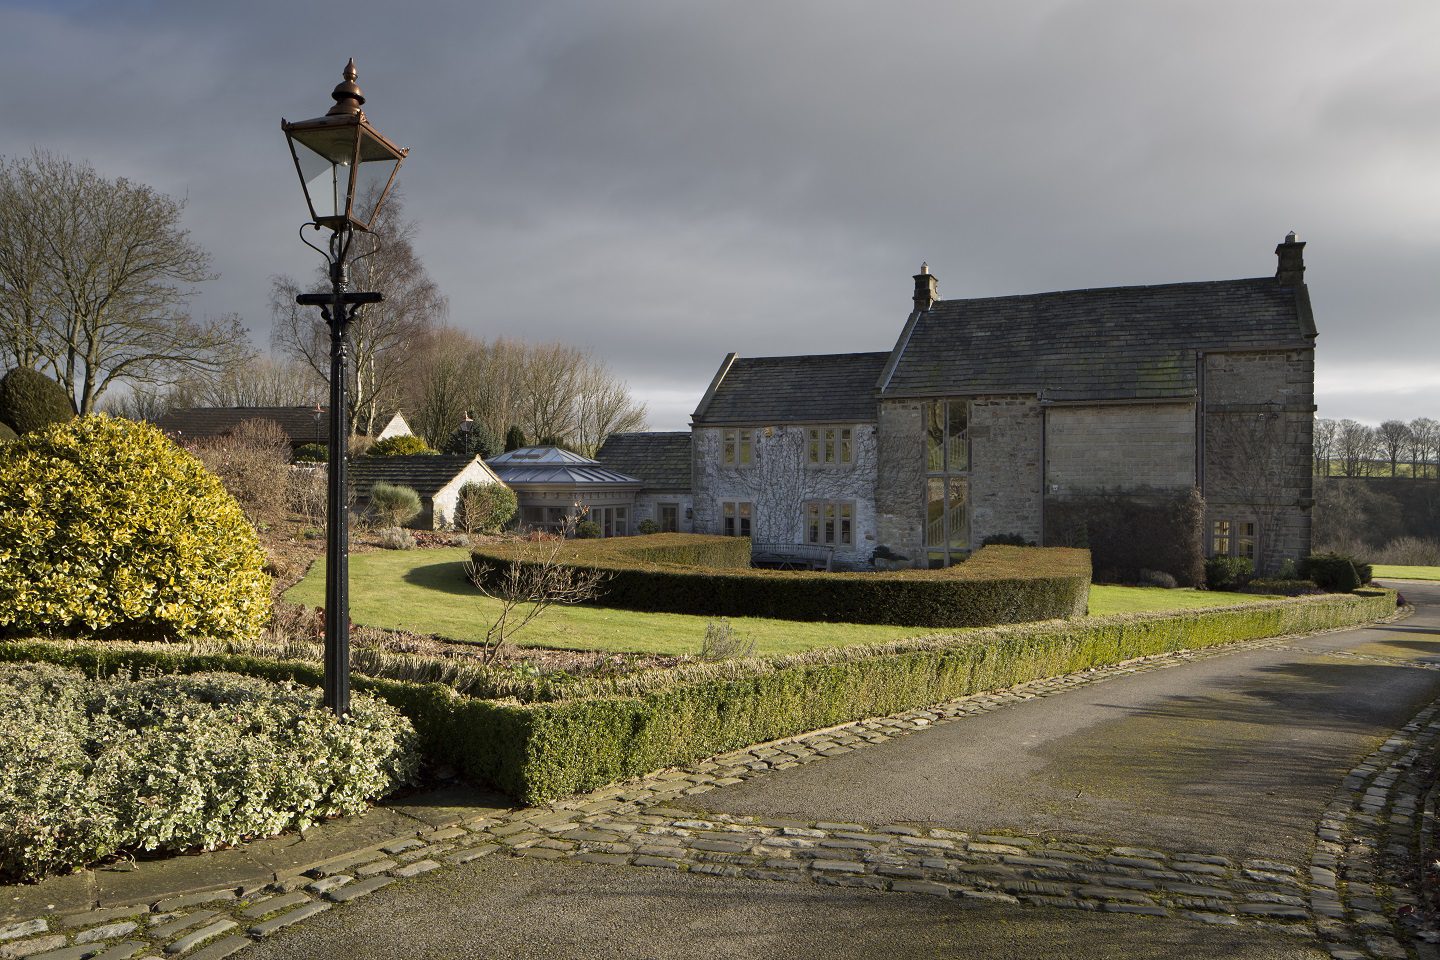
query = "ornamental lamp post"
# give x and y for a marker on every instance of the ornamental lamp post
(346, 169)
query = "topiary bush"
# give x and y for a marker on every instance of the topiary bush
(95, 767)
(393, 505)
(107, 528)
(1336, 572)
(1228, 573)
(484, 507)
(30, 400)
(312, 453)
(408, 445)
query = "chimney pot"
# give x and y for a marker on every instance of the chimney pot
(926, 288)
(1290, 270)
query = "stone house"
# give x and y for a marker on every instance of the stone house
(437, 479)
(987, 413)
(660, 460)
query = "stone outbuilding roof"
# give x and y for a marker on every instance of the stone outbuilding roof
(301, 424)
(1115, 343)
(826, 388)
(552, 465)
(660, 459)
(427, 475)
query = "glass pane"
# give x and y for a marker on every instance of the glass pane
(829, 523)
(935, 513)
(814, 446)
(934, 414)
(846, 454)
(958, 436)
(729, 446)
(957, 518)
(830, 445)
(370, 183)
(745, 454)
(846, 535)
(325, 182)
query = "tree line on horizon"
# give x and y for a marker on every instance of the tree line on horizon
(1349, 448)
(96, 275)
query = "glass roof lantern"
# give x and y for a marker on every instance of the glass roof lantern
(345, 165)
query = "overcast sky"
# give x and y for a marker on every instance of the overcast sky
(665, 182)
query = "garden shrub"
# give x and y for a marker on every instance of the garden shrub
(1006, 540)
(1133, 531)
(95, 767)
(253, 461)
(393, 505)
(1158, 578)
(407, 445)
(484, 507)
(1336, 573)
(312, 453)
(395, 538)
(1282, 587)
(587, 530)
(29, 400)
(109, 529)
(647, 526)
(1228, 573)
(996, 585)
(552, 737)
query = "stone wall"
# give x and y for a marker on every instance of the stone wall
(900, 480)
(1119, 447)
(1005, 483)
(780, 480)
(1259, 419)
(647, 507)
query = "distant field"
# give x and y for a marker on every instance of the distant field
(1396, 572)
(425, 591)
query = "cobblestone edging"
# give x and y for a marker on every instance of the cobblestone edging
(631, 824)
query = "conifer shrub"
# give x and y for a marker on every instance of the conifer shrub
(393, 504)
(407, 445)
(30, 400)
(1336, 572)
(109, 529)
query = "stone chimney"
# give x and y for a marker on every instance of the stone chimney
(1290, 272)
(925, 288)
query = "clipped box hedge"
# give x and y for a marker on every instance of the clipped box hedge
(608, 729)
(710, 576)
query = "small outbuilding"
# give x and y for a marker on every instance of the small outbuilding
(661, 460)
(437, 479)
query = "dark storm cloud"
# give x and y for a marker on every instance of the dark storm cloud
(665, 182)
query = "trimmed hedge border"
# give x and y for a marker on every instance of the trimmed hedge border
(696, 574)
(539, 752)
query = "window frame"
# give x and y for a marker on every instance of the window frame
(737, 518)
(948, 460)
(829, 523)
(830, 446)
(737, 448)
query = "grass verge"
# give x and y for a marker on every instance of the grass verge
(1397, 572)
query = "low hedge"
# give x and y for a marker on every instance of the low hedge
(998, 584)
(608, 729)
(95, 767)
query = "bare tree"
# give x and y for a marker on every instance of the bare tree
(97, 277)
(1394, 438)
(382, 334)
(532, 583)
(551, 390)
(1354, 442)
(1324, 438)
(604, 407)
(1424, 437)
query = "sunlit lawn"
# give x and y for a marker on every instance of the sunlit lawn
(1396, 572)
(425, 591)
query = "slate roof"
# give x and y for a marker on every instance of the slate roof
(194, 423)
(660, 459)
(551, 465)
(426, 474)
(300, 424)
(827, 388)
(1101, 344)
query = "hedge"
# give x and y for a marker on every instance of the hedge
(998, 584)
(607, 729)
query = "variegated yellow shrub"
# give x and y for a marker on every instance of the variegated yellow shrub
(109, 529)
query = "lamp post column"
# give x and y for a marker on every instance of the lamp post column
(337, 544)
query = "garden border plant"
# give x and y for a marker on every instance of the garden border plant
(599, 730)
(710, 576)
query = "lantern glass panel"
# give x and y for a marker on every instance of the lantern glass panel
(325, 157)
(376, 168)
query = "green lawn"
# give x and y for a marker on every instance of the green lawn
(425, 591)
(1396, 572)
